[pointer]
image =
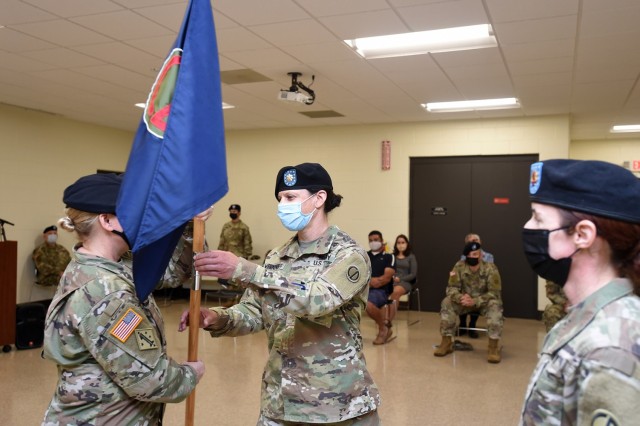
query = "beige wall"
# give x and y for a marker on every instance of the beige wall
(613, 151)
(42, 154)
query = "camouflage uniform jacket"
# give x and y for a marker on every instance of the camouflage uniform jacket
(50, 261)
(110, 350)
(236, 238)
(482, 285)
(310, 303)
(589, 367)
(555, 293)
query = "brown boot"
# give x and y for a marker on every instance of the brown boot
(494, 351)
(446, 346)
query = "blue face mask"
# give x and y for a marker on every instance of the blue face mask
(292, 217)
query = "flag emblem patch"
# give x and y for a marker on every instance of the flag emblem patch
(125, 325)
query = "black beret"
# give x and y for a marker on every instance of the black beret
(50, 228)
(595, 187)
(94, 193)
(234, 207)
(469, 247)
(310, 176)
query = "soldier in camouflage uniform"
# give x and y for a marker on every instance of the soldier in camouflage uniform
(110, 348)
(235, 236)
(50, 258)
(557, 309)
(309, 297)
(583, 235)
(474, 286)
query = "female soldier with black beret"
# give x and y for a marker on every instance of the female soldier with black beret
(308, 297)
(109, 346)
(584, 234)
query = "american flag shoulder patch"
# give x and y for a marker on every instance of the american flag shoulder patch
(126, 325)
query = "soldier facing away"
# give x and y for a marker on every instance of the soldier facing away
(50, 258)
(308, 297)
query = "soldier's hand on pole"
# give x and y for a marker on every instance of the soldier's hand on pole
(217, 263)
(207, 318)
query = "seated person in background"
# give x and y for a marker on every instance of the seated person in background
(50, 258)
(487, 258)
(557, 309)
(474, 286)
(406, 272)
(380, 286)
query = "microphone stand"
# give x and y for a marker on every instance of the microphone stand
(2, 233)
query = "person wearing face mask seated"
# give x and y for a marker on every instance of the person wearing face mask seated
(50, 258)
(584, 235)
(380, 286)
(308, 297)
(474, 286)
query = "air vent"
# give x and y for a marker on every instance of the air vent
(242, 76)
(322, 114)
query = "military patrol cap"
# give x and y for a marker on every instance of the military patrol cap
(469, 247)
(50, 228)
(595, 187)
(96, 193)
(310, 176)
(234, 207)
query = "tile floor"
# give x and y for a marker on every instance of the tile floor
(417, 388)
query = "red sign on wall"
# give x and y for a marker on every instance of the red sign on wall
(636, 165)
(500, 200)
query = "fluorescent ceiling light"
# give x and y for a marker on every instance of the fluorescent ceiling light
(224, 105)
(481, 104)
(625, 128)
(419, 43)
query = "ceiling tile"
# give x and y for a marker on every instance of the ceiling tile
(294, 33)
(122, 25)
(444, 15)
(61, 32)
(14, 41)
(341, 7)
(63, 58)
(69, 8)
(277, 11)
(365, 24)
(18, 12)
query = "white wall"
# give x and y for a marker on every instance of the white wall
(42, 154)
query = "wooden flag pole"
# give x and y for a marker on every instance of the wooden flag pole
(194, 316)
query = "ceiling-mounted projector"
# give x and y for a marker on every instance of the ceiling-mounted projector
(293, 93)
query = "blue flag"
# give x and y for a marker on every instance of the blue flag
(177, 166)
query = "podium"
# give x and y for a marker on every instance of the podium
(8, 281)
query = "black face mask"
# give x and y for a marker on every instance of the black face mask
(536, 249)
(233, 216)
(472, 261)
(124, 237)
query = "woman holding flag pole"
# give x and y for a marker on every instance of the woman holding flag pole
(110, 347)
(308, 297)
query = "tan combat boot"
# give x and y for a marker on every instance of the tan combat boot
(494, 351)
(446, 346)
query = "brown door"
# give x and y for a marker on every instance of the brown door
(487, 195)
